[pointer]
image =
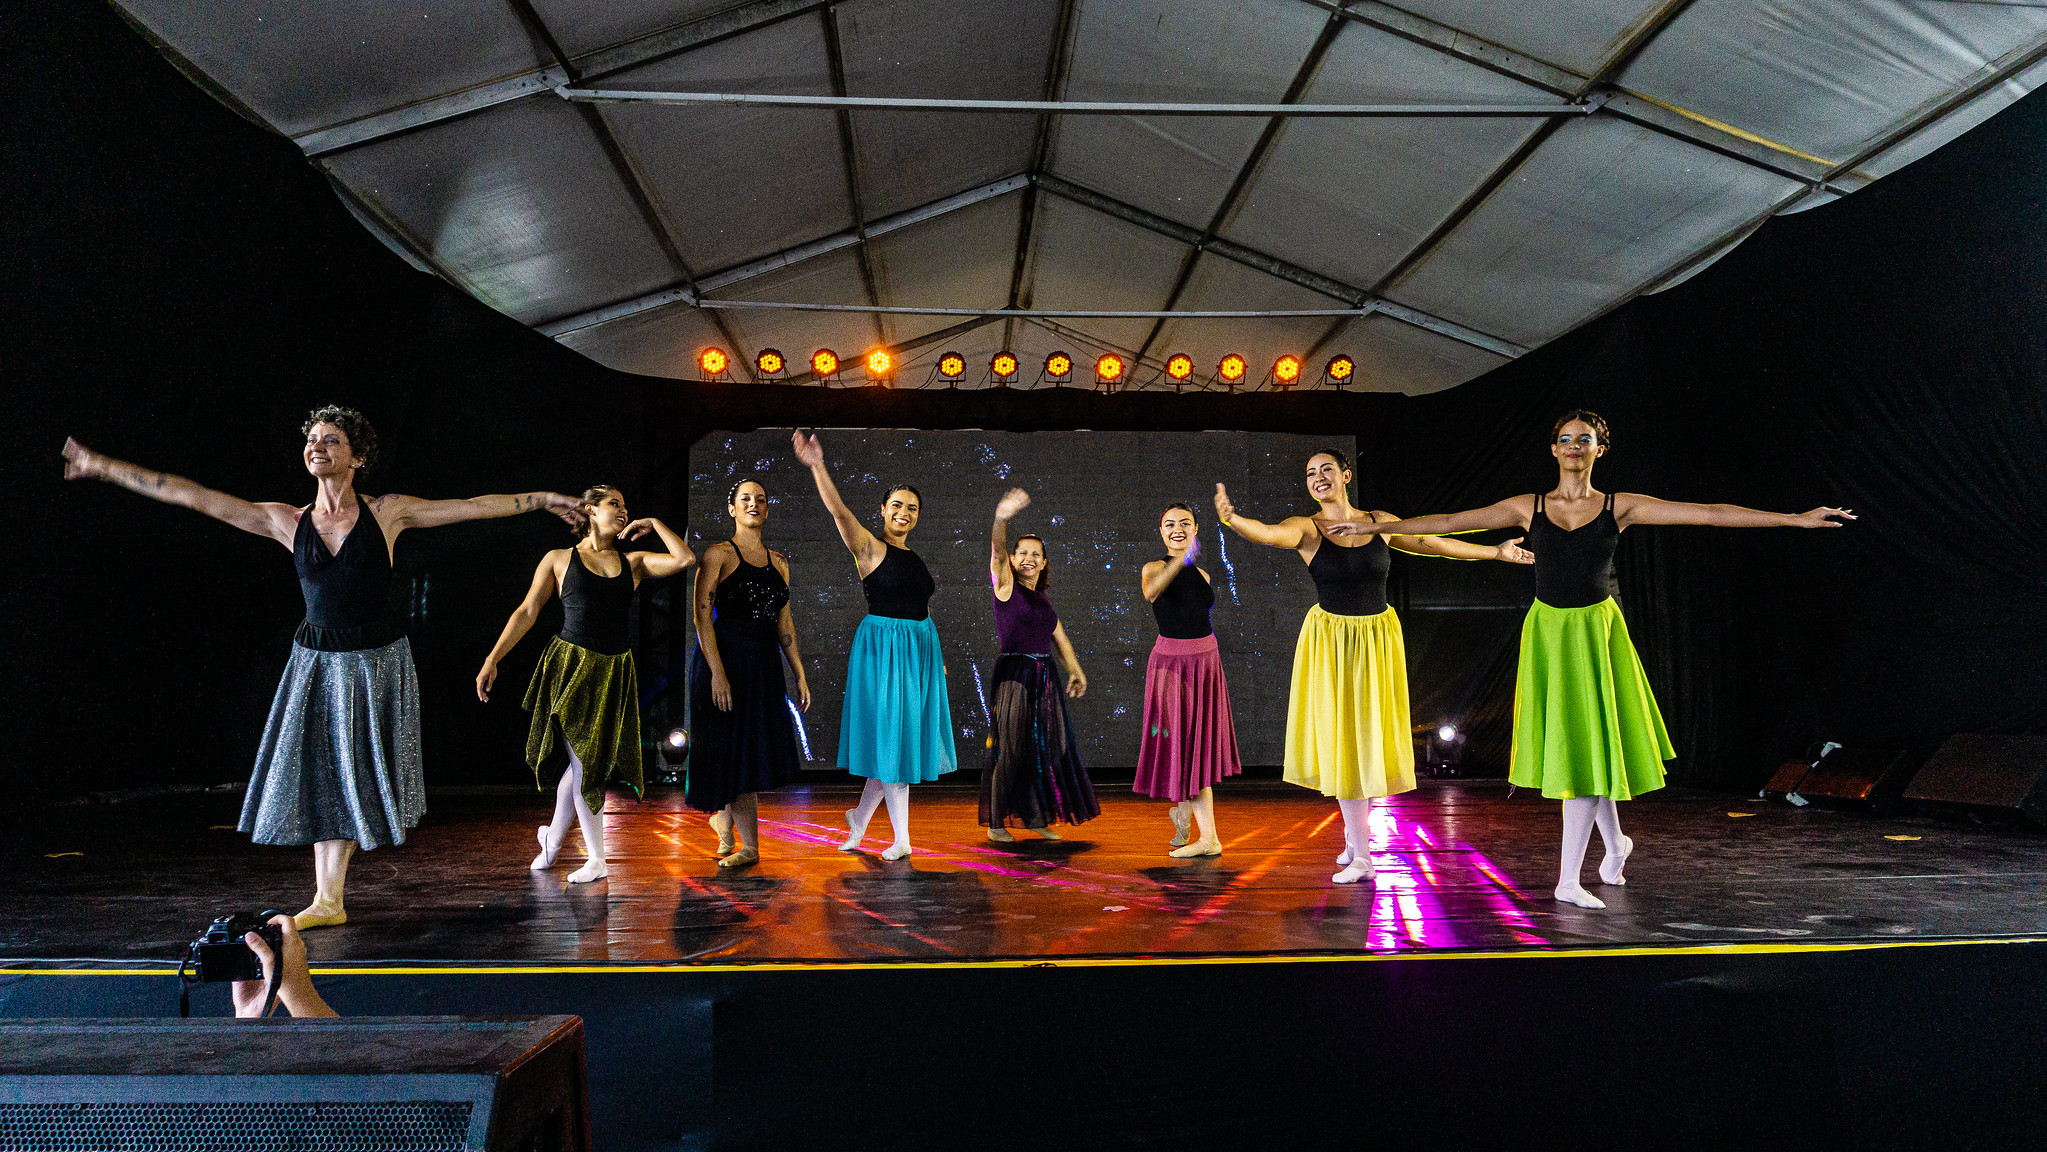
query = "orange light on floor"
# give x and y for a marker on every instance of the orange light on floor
(824, 362)
(1004, 366)
(1109, 368)
(1180, 367)
(1058, 366)
(952, 366)
(713, 361)
(1286, 370)
(1231, 369)
(770, 362)
(1341, 368)
(880, 363)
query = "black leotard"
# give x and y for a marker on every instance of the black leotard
(1572, 569)
(597, 609)
(348, 594)
(750, 600)
(1351, 581)
(900, 586)
(1182, 609)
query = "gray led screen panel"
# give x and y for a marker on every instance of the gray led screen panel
(1096, 499)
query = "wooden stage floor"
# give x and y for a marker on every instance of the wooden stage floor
(1461, 866)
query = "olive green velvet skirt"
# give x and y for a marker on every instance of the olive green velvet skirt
(591, 702)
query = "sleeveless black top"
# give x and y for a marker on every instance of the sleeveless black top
(348, 594)
(900, 587)
(596, 610)
(750, 600)
(1351, 581)
(1182, 609)
(1572, 569)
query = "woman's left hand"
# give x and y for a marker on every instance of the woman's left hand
(1823, 518)
(1076, 685)
(568, 508)
(637, 528)
(802, 696)
(1513, 553)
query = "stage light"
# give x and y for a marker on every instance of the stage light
(678, 738)
(1231, 369)
(952, 366)
(1447, 732)
(881, 364)
(713, 361)
(824, 362)
(1109, 368)
(1003, 366)
(770, 362)
(1058, 366)
(671, 759)
(1341, 368)
(1286, 370)
(1180, 367)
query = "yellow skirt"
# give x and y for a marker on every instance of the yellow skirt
(1347, 727)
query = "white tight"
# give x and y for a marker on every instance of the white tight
(896, 796)
(1580, 814)
(568, 804)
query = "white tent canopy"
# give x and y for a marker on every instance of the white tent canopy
(1602, 149)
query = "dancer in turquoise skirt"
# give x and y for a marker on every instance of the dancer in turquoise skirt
(896, 727)
(1586, 727)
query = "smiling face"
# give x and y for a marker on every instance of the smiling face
(1328, 479)
(749, 507)
(1177, 528)
(327, 453)
(899, 511)
(1027, 560)
(1577, 446)
(608, 515)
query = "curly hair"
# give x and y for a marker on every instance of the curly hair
(362, 437)
(1597, 421)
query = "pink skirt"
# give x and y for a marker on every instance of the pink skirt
(1190, 740)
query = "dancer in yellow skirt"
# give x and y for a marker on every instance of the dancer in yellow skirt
(1347, 729)
(1586, 727)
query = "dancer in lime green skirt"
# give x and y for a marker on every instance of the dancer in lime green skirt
(1586, 727)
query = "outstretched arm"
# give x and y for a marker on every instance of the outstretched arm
(1292, 532)
(1629, 508)
(537, 595)
(1013, 501)
(655, 565)
(277, 521)
(1076, 680)
(1450, 549)
(1512, 512)
(402, 512)
(867, 551)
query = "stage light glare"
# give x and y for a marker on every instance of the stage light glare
(713, 361)
(1287, 369)
(1058, 366)
(1232, 368)
(824, 362)
(1003, 366)
(770, 362)
(952, 366)
(1180, 366)
(1447, 732)
(1341, 368)
(880, 362)
(678, 737)
(1109, 368)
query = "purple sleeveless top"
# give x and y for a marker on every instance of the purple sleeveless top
(1024, 624)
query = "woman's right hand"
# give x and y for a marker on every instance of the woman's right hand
(809, 452)
(485, 680)
(721, 692)
(1013, 501)
(1223, 508)
(80, 462)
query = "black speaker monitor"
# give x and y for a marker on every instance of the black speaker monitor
(1864, 778)
(1981, 770)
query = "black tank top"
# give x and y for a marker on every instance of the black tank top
(1572, 569)
(1182, 609)
(749, 601)
(900, 587)
(1351, 581)
(348, 594)
(596, 610)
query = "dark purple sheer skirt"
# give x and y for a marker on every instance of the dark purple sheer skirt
(1034, 775)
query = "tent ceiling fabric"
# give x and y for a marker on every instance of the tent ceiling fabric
(604, 224)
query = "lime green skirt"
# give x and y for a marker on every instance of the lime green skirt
(1585, 721)
(593, 702)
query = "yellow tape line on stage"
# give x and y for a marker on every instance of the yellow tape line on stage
(1758, 949)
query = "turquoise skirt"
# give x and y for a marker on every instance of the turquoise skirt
(897, 723)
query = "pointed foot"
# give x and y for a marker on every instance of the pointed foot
(1612, 870)
(1573, 894)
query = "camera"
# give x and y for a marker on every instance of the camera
(219, 954)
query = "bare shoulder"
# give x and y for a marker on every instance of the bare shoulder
(780, 562)
(1151, 567)
(1205, 575)
(1381, 516)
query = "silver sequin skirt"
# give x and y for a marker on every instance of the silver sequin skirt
(340, 755)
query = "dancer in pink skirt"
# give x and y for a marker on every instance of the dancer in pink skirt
(1190, 739)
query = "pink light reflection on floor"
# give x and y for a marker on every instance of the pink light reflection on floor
(1408, 911)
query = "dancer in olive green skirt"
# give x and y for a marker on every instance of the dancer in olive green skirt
(1586, 727)
(585, 693)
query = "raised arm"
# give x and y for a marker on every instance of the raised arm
(1160, 573)
(719, 560)
(1013, 501)
(545, 583)
(655, 565)
(1076, 680)
(402, 512)
(1452, 549)
(867, 551)
(785, 634)
(1292, 532)
(277, 521)
(1630, 508)
(1513, 512)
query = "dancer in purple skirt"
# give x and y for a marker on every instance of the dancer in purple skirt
(1190, 738)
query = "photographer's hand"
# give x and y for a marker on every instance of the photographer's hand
(294, 980)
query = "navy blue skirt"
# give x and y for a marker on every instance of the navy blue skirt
(751, 748)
